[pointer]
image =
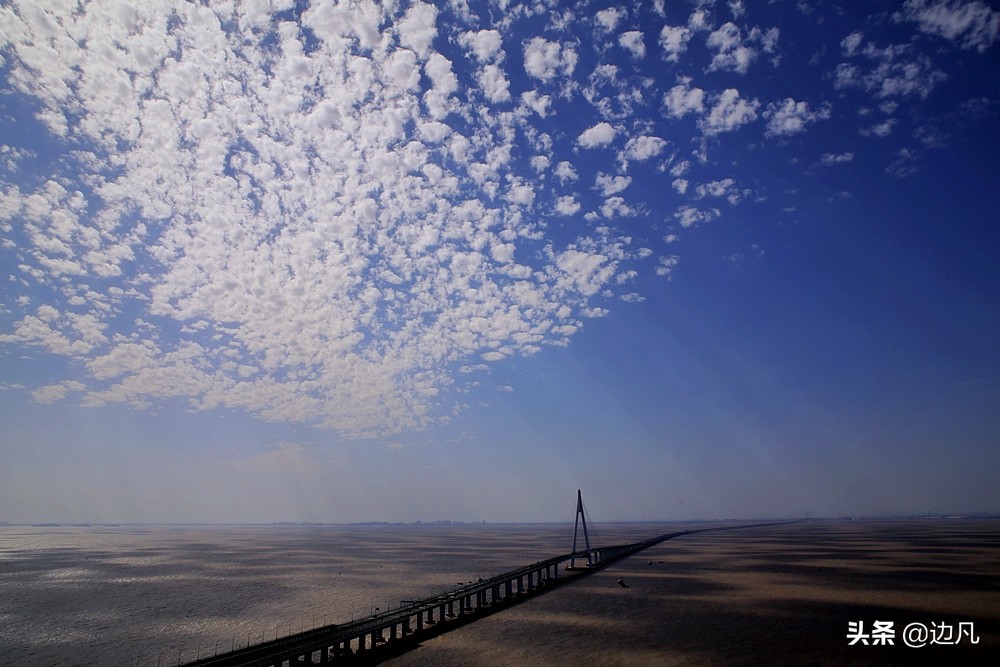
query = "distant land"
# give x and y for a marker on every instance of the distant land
(449, 522)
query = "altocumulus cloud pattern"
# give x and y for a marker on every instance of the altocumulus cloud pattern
(339, 213)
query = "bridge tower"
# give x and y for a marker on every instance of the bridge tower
(580, 517)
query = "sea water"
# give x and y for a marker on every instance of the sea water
(160, 595)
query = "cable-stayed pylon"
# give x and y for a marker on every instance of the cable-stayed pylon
(580, 517)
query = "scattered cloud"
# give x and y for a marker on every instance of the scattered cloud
(485, 45)
(643, 147)
(597, 136)
(329, 215)
(567, 205)
(730, 51)
(972, 25)
(729, 112)
(608, 19)
(308, 234)
(666, 265)
(682, 99)
(830, 159)
(725, 188)
(674, 41)
(609, 185)
(546, 60)
(790, 117)
(890, 72)
(494, 83)
(688, 216)
(566, 172)
(633, 42)
(735, 50)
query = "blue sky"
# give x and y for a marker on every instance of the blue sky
(403, 261)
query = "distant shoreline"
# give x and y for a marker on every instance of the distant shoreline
(446, 522)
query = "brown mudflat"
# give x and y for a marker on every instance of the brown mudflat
(780, 595)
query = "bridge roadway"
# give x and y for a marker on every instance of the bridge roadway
(364, 641)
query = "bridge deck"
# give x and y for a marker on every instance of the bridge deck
(408, 624)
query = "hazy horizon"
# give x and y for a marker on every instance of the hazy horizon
(352, 262)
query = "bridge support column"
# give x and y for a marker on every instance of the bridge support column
(508, 588)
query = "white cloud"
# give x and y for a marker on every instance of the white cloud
(633, 42)
(680, 168)
(830, 159)
(494, 83)
(894, 71)
(540, 104)
(852, 43)
(725, 187)
(597, 136)
(566, 172)
(883, 129)
(608, 19)
(674, 41)
(682, 99)
(700, 20)
(974, 25)
(791, 117)
(609, 185)
(567, 205)
(615, 206)
(731, 53)
(306, 234)
(56, 392)
(688, 215)
(586, 271)
(418, 28)
(643, 147)
(439, 71)
(666, 265)
(546, 60)
(729, 112)
(541, 163)
(485, 45)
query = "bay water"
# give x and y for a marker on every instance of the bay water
(166, 594)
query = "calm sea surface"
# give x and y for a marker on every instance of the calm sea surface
(149, 595)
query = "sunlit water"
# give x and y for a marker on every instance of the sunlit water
(148, 595)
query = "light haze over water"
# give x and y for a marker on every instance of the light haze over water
(147, 595)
